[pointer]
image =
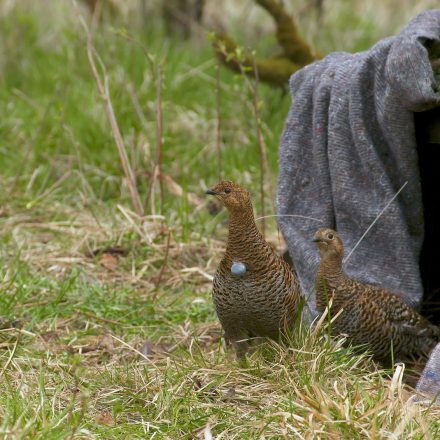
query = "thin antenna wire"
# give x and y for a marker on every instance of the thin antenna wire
(289, 215)
(374, 221)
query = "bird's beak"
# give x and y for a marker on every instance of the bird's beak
(316, 240)
(210, 192)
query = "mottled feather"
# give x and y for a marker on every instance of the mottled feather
(371, 315)
(264, 299)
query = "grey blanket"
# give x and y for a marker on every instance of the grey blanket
(429, 383)
(348, 146)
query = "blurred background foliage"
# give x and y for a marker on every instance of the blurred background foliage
(53, 120)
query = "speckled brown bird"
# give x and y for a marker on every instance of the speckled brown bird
(371, 315)
(255, 292)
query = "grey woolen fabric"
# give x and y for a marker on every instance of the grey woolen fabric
(429, 382)
(348, 146)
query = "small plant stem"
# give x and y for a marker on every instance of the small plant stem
(102, 85)
(159, 134)
(218, 126)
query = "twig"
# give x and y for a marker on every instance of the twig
(374, 221)
(261, 147)
(260, 140)
(103, 90)
(159, 134)
(34, 304)
(32, 203)
(130, 347)
(137, 106)
(218, 125)
(133, 223)
(99, 318)
(11, 356)
(157, 73)
(162, 269)
(76, 389)
(154, 177)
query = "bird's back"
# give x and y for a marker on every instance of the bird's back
(381, 319)
(370, 315)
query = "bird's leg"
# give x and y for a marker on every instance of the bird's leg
(241, 348)
(240, 343)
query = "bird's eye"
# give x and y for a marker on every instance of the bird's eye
(330, 236)
(227, 190)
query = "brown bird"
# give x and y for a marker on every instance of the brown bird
(255, 292)
(371, 315)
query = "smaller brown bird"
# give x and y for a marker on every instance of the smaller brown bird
(371, 315)
(255, 292)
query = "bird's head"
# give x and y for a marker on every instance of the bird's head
(232, 195)
(329, 243)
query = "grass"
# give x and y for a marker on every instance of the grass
(107, 329)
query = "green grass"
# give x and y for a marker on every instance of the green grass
(107, 329)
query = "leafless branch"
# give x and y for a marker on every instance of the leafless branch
(218, 126)
(159, 134)
(102, 84)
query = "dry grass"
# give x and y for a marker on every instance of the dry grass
(153, 363)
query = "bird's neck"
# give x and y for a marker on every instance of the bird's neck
(242, 228)
(329, 277)
(330, 269)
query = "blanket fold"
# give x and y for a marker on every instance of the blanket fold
(348, 146)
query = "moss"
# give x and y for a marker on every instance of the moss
(295, 48)
(274, 70)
